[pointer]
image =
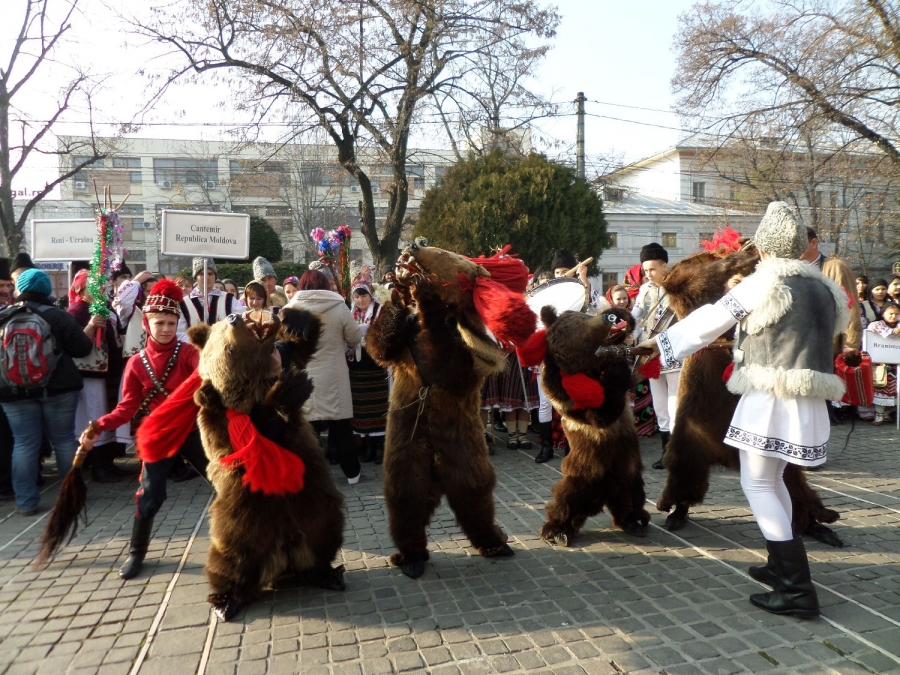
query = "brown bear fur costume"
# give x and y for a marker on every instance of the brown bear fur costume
(705, 406)
(435, 442)
(255, 537)
(603, 467)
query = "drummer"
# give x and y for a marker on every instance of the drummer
(562, 263)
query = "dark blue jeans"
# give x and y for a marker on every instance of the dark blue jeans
(28, 421)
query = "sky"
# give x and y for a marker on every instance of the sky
(618, 53)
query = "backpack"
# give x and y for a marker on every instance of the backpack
(28, 354)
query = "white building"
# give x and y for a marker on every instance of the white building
(296, 187)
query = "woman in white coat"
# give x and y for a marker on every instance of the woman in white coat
(331, 401)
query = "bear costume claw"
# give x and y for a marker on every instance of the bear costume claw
(411, 564)
(224, 606)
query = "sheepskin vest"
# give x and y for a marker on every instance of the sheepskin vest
(785, 345)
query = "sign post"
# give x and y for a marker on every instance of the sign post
(885, 350)
(206, 234)
(63, 240)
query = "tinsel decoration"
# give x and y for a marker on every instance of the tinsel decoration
(334, 251)
(108, 255)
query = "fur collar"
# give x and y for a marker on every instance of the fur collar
(770, 272)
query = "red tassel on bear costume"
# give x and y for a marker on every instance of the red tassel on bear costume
(652, 369)
(165, 429)
(503, 311)
(726, 374)
(533, 351)
(584, 391)
(268, 467)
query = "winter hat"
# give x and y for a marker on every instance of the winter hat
(4, 270)
(165, 298)
(360, 287)
(291, 280)
(319, 266)
(22, 261)
(262, 268)
(780, 234)
(877, 283)
(654, 251)
(34, 281)
(562, 258)
(197, 266)
(120, 271)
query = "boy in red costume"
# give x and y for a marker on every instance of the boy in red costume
(149, 378)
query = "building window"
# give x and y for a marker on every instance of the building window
(613, 239)
(705, 236)
(698, 192)
(185, 171)
(417, 173)
(669, 240)
(609, 280)
(136, 177)
(126, 162)
(439, 173)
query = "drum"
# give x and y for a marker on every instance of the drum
(563, 294)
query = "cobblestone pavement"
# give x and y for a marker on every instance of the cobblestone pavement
(669, 603)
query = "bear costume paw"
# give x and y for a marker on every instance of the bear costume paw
(677, 519)
(635, 528)
(333, 579)
(556, 535)
(411, 564)
(503, 551)
(224, 606)
(824, 534)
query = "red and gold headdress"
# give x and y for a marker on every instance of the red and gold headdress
(165, 298)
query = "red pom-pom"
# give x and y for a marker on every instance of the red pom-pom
(584, 391)
(534, 350)
(651, 369)
(726, 374)
(168, 288)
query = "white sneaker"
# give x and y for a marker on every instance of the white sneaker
(354, 481)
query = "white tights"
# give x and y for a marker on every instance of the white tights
(762, 479)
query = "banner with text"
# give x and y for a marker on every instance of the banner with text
(201, 233)
(882, 349)
(63, 239)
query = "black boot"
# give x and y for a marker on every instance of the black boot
(546, 435)
(140, 541)
(102, 470)
(794, 590)
(664, 435)
(369, 453)
(764, 574)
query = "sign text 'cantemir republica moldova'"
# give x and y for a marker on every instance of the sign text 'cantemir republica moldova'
(63, 239)
(199, 233)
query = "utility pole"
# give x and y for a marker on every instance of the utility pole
(579, 143)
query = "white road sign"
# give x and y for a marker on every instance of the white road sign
(882, 349)
(63, 239)
(200, 233)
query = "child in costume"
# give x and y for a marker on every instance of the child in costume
(787, 315)
(157, 370)
(886, 395)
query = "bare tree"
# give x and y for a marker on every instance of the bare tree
(43, 26)
(838, 62)
(358, 70)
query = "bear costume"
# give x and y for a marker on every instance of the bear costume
(705, 406)
(276, 511)
(433, 333)
(586, 376)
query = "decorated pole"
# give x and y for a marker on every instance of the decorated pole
(108, 254)
(334, 251)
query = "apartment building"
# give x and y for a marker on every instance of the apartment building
(296, 187)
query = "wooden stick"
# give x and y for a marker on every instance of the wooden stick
(123, 202)
(572, 272)
(97, 194)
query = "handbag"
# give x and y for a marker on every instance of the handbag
(95, 362)
(855, 369)
(880, 375)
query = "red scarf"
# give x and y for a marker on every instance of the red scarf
(268, 467)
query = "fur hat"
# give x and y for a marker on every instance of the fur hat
(164, 298)
(21, 261)
(654, 251)
(197, 266)
(780, 234)
(4, 270)
(262, 268)
(120, 271)
(319, 266)
(562, 258)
